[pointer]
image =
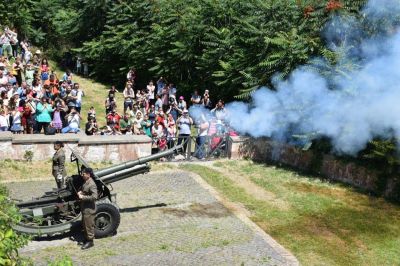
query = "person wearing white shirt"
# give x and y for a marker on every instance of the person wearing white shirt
(3, 121)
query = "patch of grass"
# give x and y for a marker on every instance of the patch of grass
(325, 224)
(156, 166)
(21, 170)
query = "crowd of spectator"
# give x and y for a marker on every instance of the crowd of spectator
(158, 112)
(34, 100)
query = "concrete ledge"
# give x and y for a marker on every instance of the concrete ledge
(121, 139)
(40, 138)
(93, 148)
(6, 136)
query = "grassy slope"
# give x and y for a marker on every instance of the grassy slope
(321, 223)
(95, 95)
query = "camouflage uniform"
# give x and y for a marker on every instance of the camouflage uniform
(88, 208)
(58, 168)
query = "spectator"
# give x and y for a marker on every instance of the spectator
(181, 104)
(3, 121)
(3, 79)
(159, 103)
(124, 124)
(92, 113)
(17, 69)
(160, 85)
(146, 126)
(171, 131)
(137, 123)
(43, 111)
(151, 91)
(113, 120)
(57, 122)
(5, 41)
(174, 111)
(26, 120)
(110, 104)
(29, 72)
(129, 96)
(165, 98)
(78, 65)
(219, 110)
(131, 76)
(44, 70)
(184, 123)
(91, 126)
(157, 132)
(77, 93)
(67, 76)
(196, 98)
(172, 90)
(85, 69)
(16, 126)
(112, 90)
(206, 102)
(73, 119)
(201, 138)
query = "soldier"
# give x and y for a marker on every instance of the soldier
(58, 167)
(88, 196)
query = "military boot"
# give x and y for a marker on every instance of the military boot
(87, 245)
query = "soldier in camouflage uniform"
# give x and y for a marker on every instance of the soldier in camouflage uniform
(88, 196)
(58, 168)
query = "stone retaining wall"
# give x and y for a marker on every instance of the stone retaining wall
(93, 148)
(265, 150)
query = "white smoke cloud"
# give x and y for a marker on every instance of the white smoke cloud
(364, 104)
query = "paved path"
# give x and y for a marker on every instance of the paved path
(168, 218)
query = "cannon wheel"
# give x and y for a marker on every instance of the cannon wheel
(107, 219)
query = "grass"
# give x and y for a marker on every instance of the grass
(95, 95)
(321, 223)
(11, 170)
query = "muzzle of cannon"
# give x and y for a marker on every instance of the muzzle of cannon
(58, 211)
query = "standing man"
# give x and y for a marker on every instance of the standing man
(184, 123)
(58, 167)
(88, 196)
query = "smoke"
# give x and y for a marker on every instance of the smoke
(357, 101)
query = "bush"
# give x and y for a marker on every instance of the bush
(10, 241)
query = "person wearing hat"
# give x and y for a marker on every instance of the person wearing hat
(182, 103)
(88, 196)
(58, 167)
(184, 123)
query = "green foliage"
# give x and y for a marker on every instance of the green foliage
(64, 261)
(28, 155)
(10, 241)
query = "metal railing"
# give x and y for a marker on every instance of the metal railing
(205, 147)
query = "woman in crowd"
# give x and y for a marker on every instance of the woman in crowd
(44, 70)
(43, 114)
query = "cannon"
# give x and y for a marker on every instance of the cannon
(58, 211)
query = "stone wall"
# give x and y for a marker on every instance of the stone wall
(93, 148)
(265, 150)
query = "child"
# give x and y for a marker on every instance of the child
(57, 122)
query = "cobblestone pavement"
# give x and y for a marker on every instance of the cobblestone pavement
(167, 218)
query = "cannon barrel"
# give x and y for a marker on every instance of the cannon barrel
(120, 175)
(130, 164)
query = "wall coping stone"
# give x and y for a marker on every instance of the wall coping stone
(80, 138)
(6, 136)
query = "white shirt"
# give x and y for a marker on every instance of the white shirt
(3, 121)
(151, 89)
(73, 121)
